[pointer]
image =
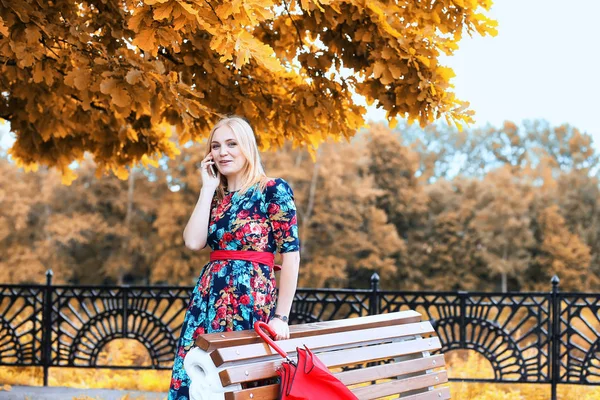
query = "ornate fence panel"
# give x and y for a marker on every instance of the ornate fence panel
(545, 337)
(579, 328)
(510, 331)
(21, 325)
(85, 319)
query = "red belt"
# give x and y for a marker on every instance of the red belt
(262, 257)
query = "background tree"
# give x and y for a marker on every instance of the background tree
(450, 255)
(561, 253)
(503, 225)
(364, 206)
(103, 77)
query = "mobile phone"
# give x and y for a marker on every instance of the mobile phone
(213, 170)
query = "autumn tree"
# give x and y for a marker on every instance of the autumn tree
(20, 258)
(561, 253)
(104, 77)
(172, 261)
(445, 152)
(563, 148)
(577, 196)
(449, 256)
(345, 237)
(364, 206)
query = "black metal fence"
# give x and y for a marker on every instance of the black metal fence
(537, 337)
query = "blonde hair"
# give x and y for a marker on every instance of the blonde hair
(253, 172)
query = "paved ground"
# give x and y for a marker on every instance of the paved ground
(63, 393)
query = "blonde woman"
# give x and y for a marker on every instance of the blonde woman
(245, 218)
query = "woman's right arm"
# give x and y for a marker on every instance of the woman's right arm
(196, 230)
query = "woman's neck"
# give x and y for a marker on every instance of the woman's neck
(234, 183)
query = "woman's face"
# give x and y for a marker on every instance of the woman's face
(226, 152)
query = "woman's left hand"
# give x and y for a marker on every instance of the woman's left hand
(281, 329)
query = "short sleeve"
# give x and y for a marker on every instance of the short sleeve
(281, 210)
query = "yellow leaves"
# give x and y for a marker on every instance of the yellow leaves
(395, 70)
(484, 25)
(192, 60)
(243, 54)
(305, 4)
(228, 8)
(163, 11)
(388, 53)
(41, 74)
(33, 34)
(78, 78)
(378, 69)
(458, 125)
(134, 76)
(188, 8)
(135, 21)
(147, 161)
(27, 167)
(146, 40)
(120, 171)
(3, 28)
(247, 46)
(131, 134)
(445, 73)
(119, 95)
(424, 60)
(67, 176)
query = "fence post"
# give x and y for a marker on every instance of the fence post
(462, 295)
(555, 337)
(374, 301)
(47, 325)
(124, 315)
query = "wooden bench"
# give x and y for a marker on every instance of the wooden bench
(225, 366)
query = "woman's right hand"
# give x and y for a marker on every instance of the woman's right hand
(207, 166)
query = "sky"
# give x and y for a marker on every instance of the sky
(543, 64)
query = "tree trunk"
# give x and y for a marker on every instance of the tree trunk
(504, 273)
(128, 217)
(310, 205)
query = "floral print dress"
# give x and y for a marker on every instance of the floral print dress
(231, 295)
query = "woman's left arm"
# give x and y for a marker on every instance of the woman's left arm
(288, 281)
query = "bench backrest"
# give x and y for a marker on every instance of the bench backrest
(392, 350)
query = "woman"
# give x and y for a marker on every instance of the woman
(251, 217)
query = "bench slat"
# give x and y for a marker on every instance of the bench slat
(335, 340)
(400, 386)
(269, 392)
(436, 394)
(386, 371)
(352, 377)
(212, 341)
(267, 369)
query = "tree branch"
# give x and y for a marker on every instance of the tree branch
(169, 57)
(8, 61)
(213, 10)
(93, 105)
(287, 10)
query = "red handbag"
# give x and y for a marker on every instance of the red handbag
(306, 379)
